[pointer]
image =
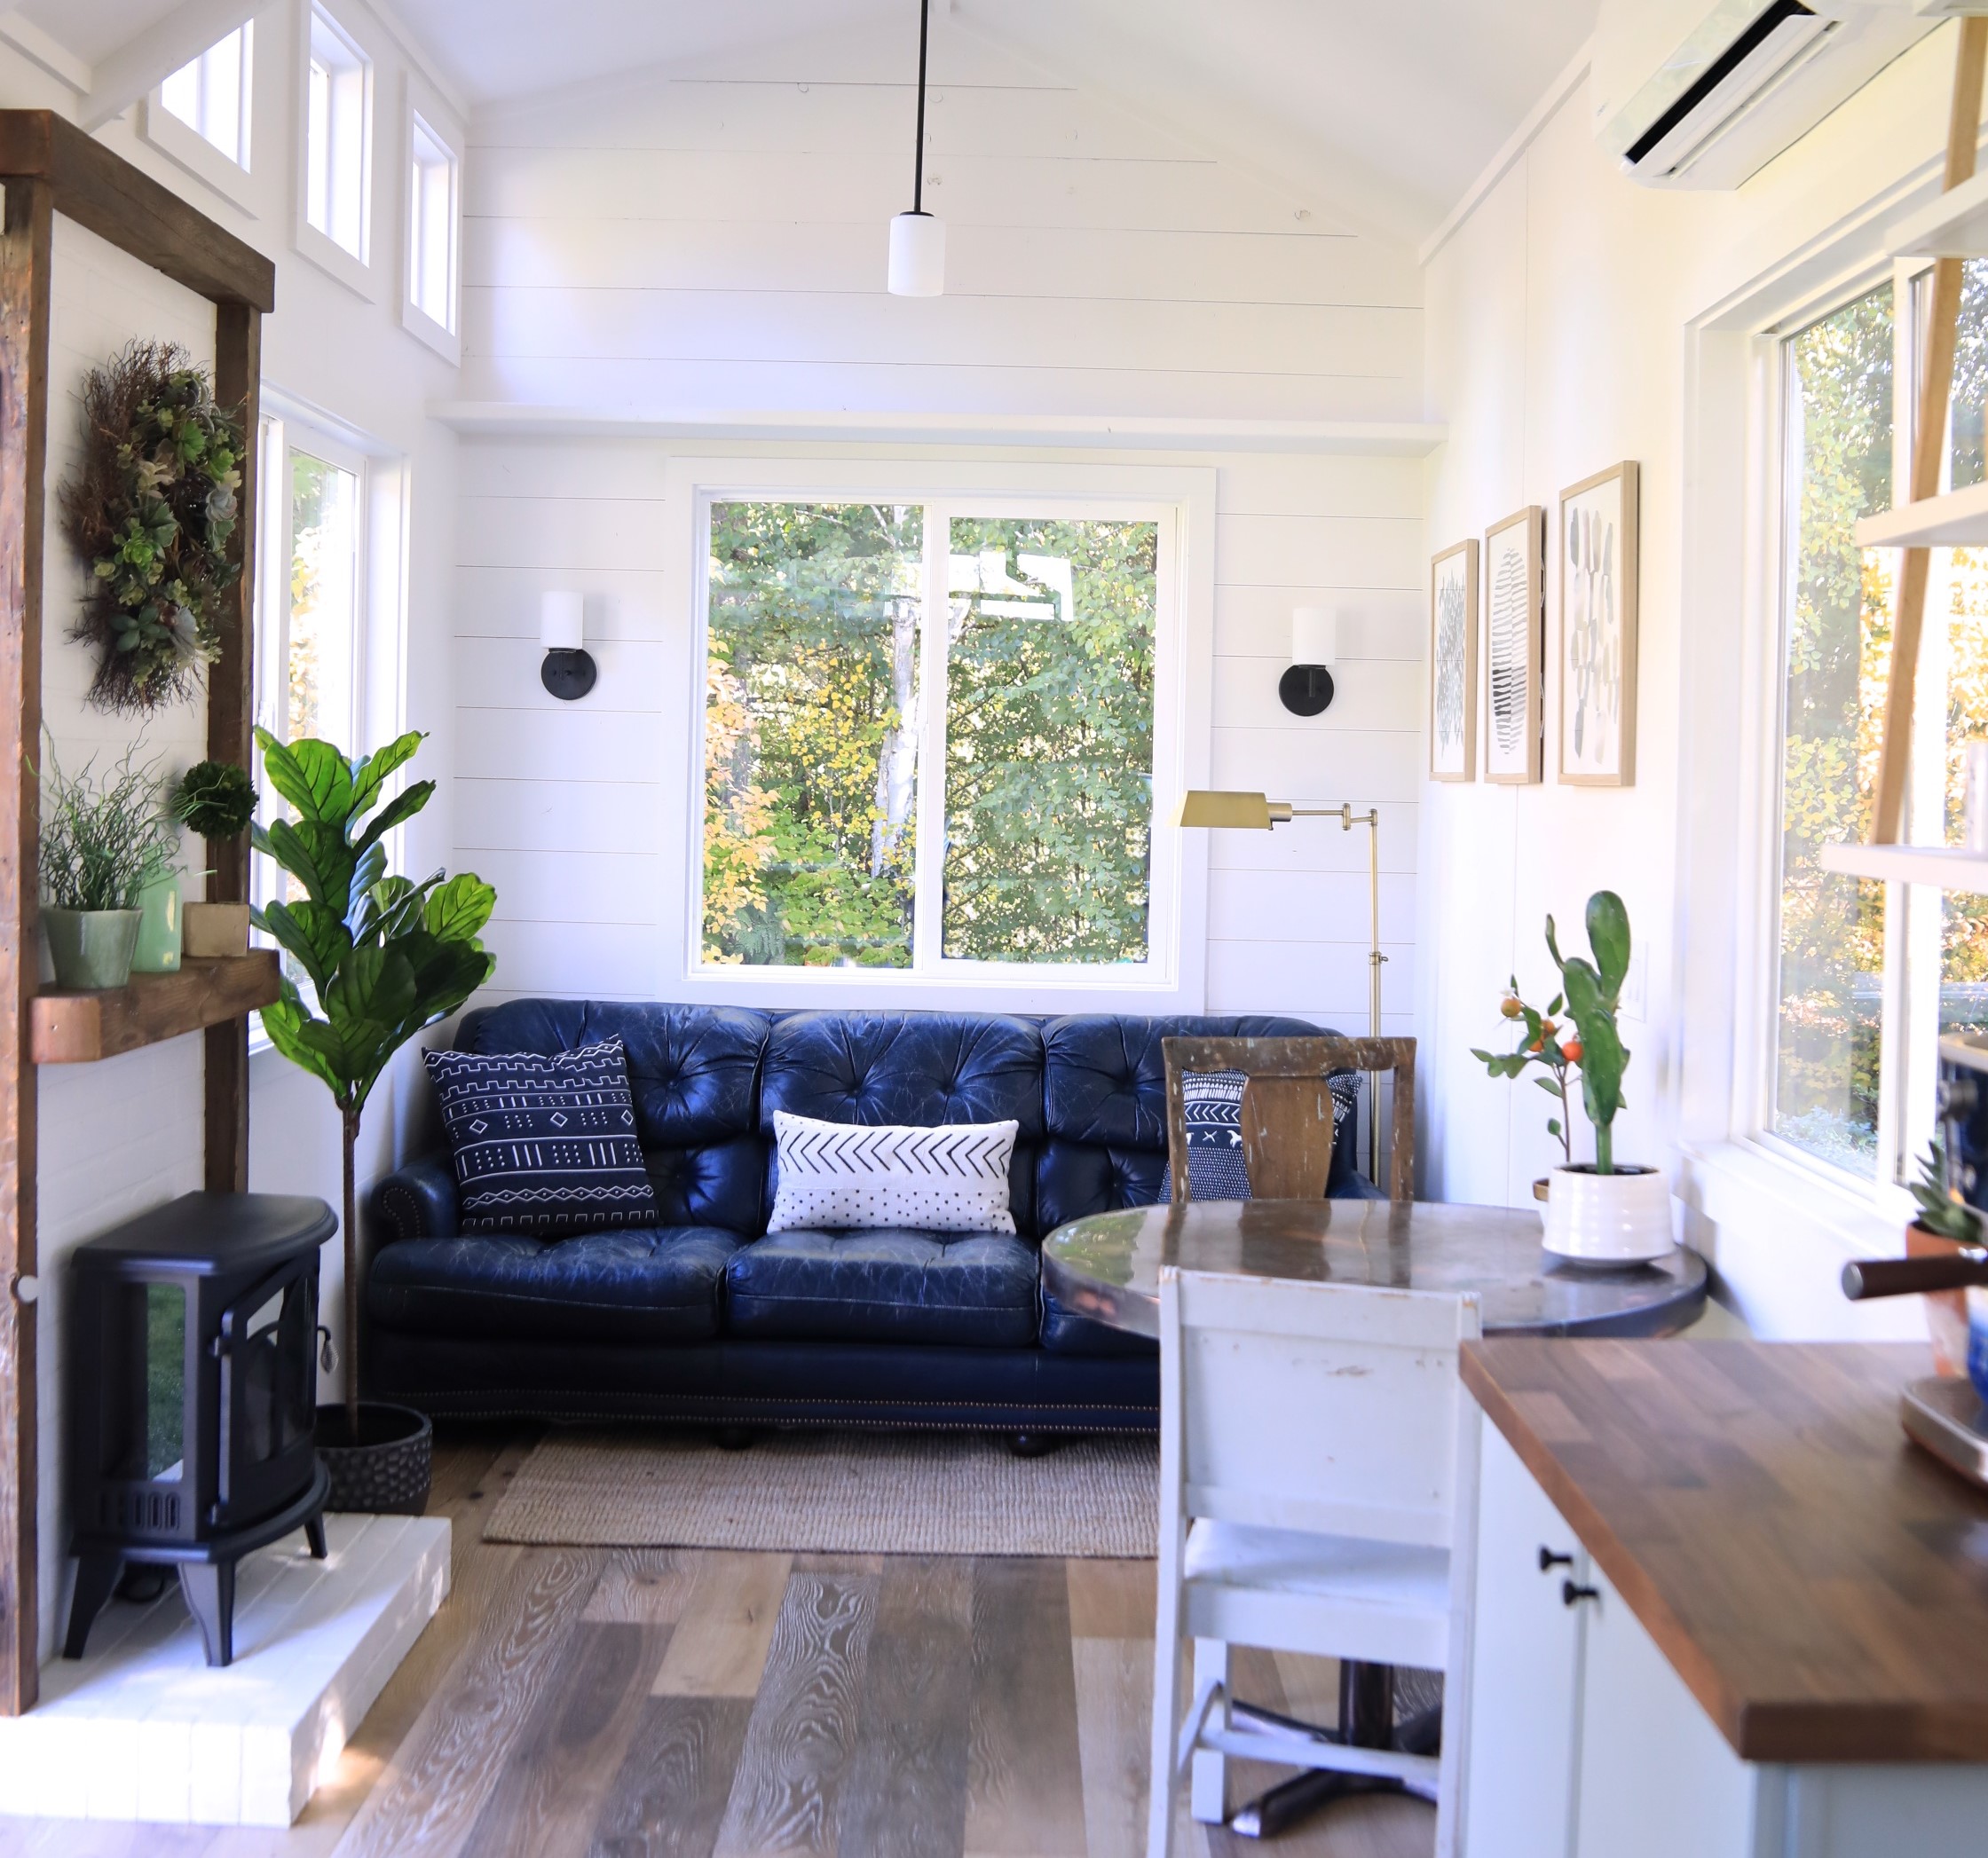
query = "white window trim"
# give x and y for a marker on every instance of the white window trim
(422, 101)
(358, 274)
(1175, 980)
(1765, 1199)
(184, 145)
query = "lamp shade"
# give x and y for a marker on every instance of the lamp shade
(1314, 636)
(1202, 807)
(562, 621)
(918, 254)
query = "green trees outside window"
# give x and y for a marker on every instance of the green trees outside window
(824, 747)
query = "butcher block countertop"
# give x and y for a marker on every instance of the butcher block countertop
(1818, 1581)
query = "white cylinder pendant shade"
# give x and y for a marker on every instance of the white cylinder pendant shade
(918, 254)
(563, 621)
(1314, 636)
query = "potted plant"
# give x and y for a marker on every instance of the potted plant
(1944, 1225)
(216, 800)
(383, 957)
(1600, 1212)
(101, 843)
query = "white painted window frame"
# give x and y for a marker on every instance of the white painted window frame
(1182, 499)
(423, 111)
(180, 142)
(355, 270)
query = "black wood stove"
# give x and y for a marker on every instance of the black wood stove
(192, 1399)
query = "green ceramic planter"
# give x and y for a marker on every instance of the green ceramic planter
(92, 949)
(159, 945)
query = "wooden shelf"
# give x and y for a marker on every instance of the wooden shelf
(1943, 866)
(1954, 226)
(78, 1028)
(1957, 520)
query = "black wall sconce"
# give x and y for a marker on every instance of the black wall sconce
(1306, 688)
(568, 670)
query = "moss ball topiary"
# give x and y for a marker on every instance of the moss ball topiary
(216, 799)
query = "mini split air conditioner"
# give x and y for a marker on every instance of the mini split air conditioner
(1704, 93)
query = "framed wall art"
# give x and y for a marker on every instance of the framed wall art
(1453, 664)
(1597, 569)
(1514, 641)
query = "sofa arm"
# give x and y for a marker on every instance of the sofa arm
(1355, 1186)
(417, 1201)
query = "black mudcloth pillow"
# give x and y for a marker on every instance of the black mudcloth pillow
(543, 1145)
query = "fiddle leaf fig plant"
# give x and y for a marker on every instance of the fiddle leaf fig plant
(384, 957)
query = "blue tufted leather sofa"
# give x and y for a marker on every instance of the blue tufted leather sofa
(707, 1317)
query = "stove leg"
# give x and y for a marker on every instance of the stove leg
(314, 1534)
(210, 1590)
(96, 1577)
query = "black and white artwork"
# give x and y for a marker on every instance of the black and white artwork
(1453, 664)
(1514, 622)
(1597, 575)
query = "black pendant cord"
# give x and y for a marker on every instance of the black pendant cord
(923, 38)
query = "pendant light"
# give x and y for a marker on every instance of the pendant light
(918, 239)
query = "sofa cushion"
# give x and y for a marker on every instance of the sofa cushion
(1075, 1179)
(654, 1284)
(887, 1284)
(694, 1070)
(543, 1142)
(910, 1067)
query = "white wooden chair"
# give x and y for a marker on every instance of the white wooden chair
(1318, 1493)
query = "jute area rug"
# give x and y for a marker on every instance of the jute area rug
(834, 1492)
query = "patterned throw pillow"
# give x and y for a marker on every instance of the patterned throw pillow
(543, 1143)
(835, 1175)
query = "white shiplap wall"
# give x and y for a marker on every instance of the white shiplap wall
(716, 245)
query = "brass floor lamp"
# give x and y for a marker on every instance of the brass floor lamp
(1256, 812)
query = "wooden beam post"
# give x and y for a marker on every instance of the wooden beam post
(25, 248)
(230, 716)
(1929, 448)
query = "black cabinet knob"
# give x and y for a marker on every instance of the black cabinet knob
(1548, 1560)
(1572, 1593)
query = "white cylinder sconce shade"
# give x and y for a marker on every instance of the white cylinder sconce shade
(918, 254)
(1305, 689)
(568, 670)
(562, 621)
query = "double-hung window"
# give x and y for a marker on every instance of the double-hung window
(1870, 974)
(309, 628)
(931, 732)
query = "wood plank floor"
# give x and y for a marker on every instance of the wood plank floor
(656, 1703)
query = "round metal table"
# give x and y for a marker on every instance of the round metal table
(1108, 1266)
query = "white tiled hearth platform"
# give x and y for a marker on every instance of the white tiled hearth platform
(141, 1730)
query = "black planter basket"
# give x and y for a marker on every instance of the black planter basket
(388, 1471)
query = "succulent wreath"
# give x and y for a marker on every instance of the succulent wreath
(151, 507)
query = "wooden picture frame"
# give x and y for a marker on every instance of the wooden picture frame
(1514, 573)
(1598, 569)
(1453, 604)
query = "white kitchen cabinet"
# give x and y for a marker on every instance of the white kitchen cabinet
(1525, 1685)
(1584, 1742)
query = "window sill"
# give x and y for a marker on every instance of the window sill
(1739, 1183)
(423, 327)
(181, 144)
(332, 258)
(884, 991)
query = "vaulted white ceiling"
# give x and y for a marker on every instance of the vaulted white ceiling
(1390, 107)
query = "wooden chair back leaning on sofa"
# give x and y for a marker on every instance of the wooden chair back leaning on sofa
(1286, 1110)
(1318, 1493)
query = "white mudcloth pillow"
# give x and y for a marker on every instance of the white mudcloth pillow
(952, 1179)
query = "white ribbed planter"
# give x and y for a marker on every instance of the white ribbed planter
(1618, 1218)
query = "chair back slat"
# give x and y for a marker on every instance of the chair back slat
(1287, 1109)
(1329, 1407)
